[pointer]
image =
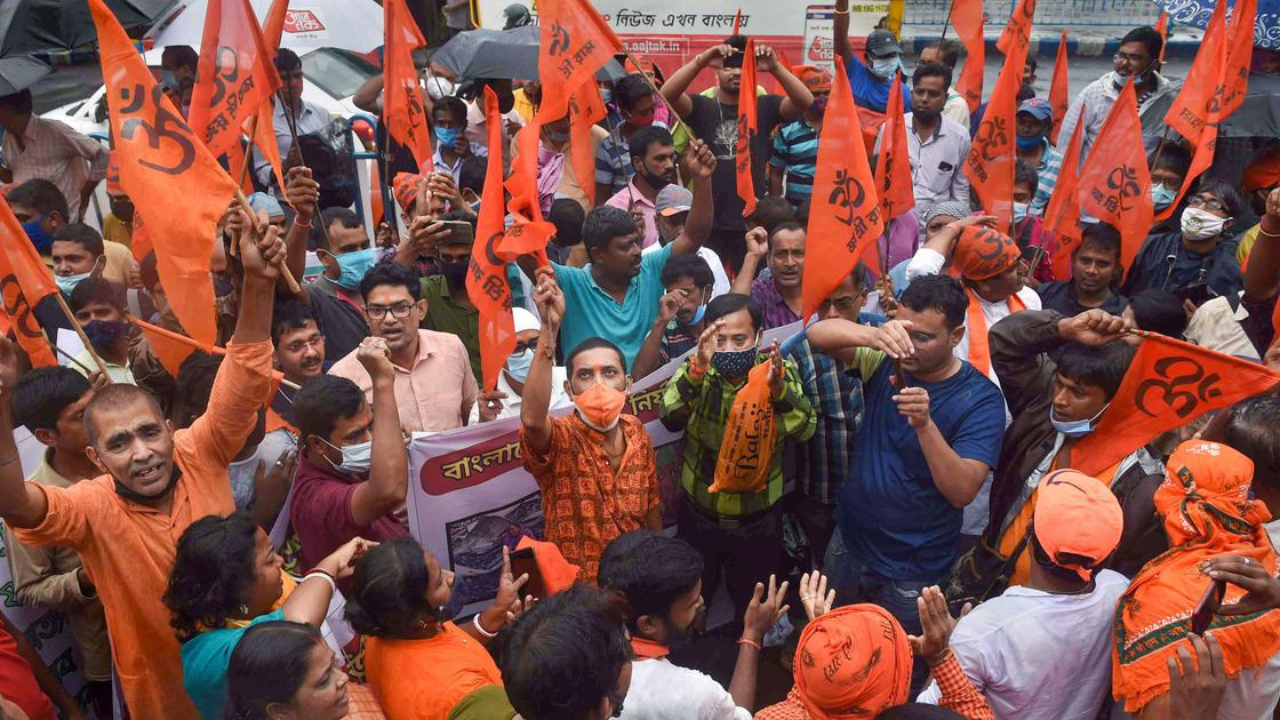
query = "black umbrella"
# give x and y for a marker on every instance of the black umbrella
(1259, 114)
(510, 54)
(34, 26)
(20, 73)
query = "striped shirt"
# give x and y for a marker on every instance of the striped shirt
(824, 462)
(774, 310)
(795, 149)
(1050, 165)
(702, 408)
(52, 150)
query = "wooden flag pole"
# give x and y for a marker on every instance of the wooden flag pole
(292, 122)
(248, 152)
(75, 324)
(67, 355)
(284, 269)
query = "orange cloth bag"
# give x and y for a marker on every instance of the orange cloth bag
(747, 448)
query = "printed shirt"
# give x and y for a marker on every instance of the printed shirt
(795, 149)
(774, 311)
(824, 462)
(585, 503)
(53, 151)
(128, 548)
(702, 408)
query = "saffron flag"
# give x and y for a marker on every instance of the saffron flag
(273, 26)
(1062, 216)
(528, 232)
(747, 128)
(158, 152)
(586, 108)
(235, 75)
(1017, 30)
(1189, 113)
(403, 112)
(1115, 184)
(893, 167)
(171, 348)
(575, 43)
(1168, 384)
(24, 282)
(845, 217)
(967, 19)
(1059, 89)
(487, 279)
(1162, 27)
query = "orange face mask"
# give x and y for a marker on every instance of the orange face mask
(600, 406)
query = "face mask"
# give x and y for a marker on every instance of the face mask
(446, 136)
(734, 363)
(641, 120)
(1020, 211)
(606, 95)
(518, 364)
(1199, 224)
(438, 87)
(455, 273)
(68, 283)
(1076, 428)
(169, 79)
(353, 266)
(819, 105)
(697, 316)
(41, 239)
(356, 458)
(1162, 196)
(105, 333)
(600, 406)
(1029, 143)
(884, 67)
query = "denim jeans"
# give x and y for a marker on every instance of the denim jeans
(855, 583)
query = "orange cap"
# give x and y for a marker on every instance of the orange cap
(642, 64)
(815, 78)
(405, 186)
(1077, 514)
(983, 252)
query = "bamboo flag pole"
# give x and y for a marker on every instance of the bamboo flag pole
(284, 269)
(75, 324)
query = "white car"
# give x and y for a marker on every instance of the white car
(330, 79)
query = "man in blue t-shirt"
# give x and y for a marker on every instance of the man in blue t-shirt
(922, 451)
(870, 76)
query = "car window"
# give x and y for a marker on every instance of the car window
(337, 73)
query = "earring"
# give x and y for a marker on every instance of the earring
(244, 609)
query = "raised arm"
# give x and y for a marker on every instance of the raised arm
(840, 31)
(22, 504)
(799, 97)
(309, 602)
(368, 96)
(261, 256)
(549, 300)
(388, 475)
(649, 357)
(673, 90)
(1262, 275)
(757, 240)
(303, 193)
(701, 163)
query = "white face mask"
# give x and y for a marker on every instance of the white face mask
(884, 67)
(438, 87)
(1200, 224)
(1020, 211)
(356, 458)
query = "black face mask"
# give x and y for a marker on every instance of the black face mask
(455, 273)
(105, 333)
(141, 499)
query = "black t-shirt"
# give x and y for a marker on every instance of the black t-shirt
(717, 125)
(342, 325)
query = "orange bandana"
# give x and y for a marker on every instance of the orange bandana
(405, 186)
(1205, 503)
(853, 662)
(982, 252)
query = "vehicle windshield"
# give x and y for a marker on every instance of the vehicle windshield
(336, 72)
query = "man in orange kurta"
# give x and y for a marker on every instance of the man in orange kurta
(126, 523)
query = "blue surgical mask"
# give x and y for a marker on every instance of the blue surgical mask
(354, 266)
(446, 136)
(518, 364)
(1162, 196)
(356, 459)
(697, 316)
(41, 239)
(734, 363)
(606, 94)
(68, 283)
(1020, 211)
(1030, 143)
(1076, 428)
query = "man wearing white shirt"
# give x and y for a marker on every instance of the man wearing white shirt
(936, 144)
(307, 117)
(1042, 651)
(511, 379)
(671, 212)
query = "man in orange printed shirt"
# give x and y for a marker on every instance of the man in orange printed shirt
(126, 523)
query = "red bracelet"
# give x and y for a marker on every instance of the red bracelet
(752, 643)
(696, 371)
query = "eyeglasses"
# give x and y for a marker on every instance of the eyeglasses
(398, 311)
(522, 346)
(297, 346)
(1132, 59)
(1213, 204)
(616, 700)
(847, 303)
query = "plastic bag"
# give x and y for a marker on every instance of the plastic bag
(747, 448)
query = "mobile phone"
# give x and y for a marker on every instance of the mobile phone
(1197, 294)
(461, 232)
(1208, 606)
(901, 376)
(524, 561)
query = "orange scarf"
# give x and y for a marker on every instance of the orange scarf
(1205, 504)
(979, 349)
(648, 649)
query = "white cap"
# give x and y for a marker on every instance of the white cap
(525, 320)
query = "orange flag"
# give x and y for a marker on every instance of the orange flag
(487, 281)
(993, 155)
(575, 43)
(1063, 212)
(273, 26)
(1059, 89)
(528, 232)
(159, 153)
(893, 168)
(235, 76)
(747, 128)
(403, 112)
(1019, 25)
(969, 24)
(1162, 27)
(586, 108)
(845, 217)
(1168, 384)
(171, 348)
(1189, 113)
(237, 156)
(1115, 184)
(24, 282)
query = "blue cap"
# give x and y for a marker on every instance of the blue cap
(1039, 108)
